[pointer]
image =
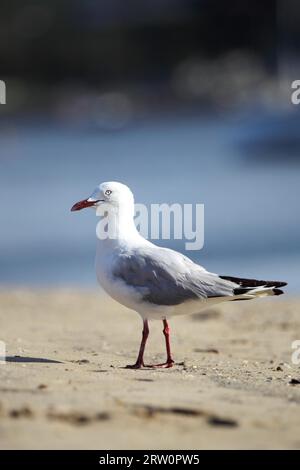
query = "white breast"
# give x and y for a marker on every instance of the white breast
(117, 289)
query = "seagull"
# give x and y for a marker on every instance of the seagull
(156, 282)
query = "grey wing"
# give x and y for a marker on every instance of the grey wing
(165, 277)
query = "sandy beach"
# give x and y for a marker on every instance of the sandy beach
(64, 385)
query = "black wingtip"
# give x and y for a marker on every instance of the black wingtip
(254, 282)
(278, 291)
(278, 283)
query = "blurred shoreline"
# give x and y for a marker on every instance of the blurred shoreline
(251, 228)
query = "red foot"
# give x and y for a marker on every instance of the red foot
(164, 365)
(137, 365)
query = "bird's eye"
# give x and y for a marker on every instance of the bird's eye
(108, 192)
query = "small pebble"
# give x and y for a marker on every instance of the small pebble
(42, 386)
(294, 382)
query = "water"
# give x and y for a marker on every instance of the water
(252, 225)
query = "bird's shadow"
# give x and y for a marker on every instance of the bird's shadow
(31, 359)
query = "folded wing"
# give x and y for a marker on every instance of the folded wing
(164, 277)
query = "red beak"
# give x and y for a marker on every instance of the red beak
(83, 204)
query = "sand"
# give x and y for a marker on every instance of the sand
(64, 386)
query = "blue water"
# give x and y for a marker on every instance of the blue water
(252, 225)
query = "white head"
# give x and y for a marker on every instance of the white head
(109, 196)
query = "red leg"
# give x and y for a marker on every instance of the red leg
(166, 332)
(140, 360)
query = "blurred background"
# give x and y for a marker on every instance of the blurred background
(185, 101)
